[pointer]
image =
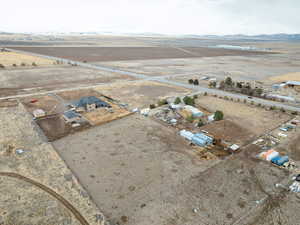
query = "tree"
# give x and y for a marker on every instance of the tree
(212, 84)
(152, 106)
(196, 82)
(188, 101)
(228, 81)
(177, 101)
(222, 84)
(191, 81)
(218, 115)
(200, 123)
(239, 85)
(162, 102)
(258, 91)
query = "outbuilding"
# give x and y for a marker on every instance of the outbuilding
(71, 116)
(39, 113)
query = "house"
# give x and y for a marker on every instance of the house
(89, 104)
(71, 116)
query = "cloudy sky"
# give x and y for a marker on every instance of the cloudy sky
(155, 16)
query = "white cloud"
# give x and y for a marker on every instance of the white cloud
(159, 16)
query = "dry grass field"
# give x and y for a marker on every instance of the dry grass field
(286, 77)
(141, 93)
(9, 58)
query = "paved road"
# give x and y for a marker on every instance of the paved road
(161, 79)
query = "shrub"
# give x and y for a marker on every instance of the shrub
(34, 64)
(295, 113)
(196, 82)
(2, 66)
(282, 110)
(226, 98)
(23, 64)
(191, 81)
(152, 106)
(245, 101)
(14, 65)
(162, 102)
(218, 115)
(228, 81)
(177, 101)
(272, 108)
(195, 96)
(188, 101)
(205, 93)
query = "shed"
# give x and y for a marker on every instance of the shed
(39, 113)
(206, 138)
(199, 141)
(186, 134)
(195, 112)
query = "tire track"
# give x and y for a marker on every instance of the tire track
(61, 199)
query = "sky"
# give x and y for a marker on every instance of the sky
(152, 16)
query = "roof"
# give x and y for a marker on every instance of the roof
(83, 102)
(296, 83)
(71, 114)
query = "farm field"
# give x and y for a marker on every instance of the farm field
(51, 78)
(9, 58)
(140, 93)
(102, 54)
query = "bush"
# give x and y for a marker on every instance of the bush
(200, 123)
(282, 110)
(14, 65)
(295, 113)
(228, 81)
(205, 93)
(195, 96)
(23, 64)
(177, 101)
(162, 102)
(218, 115)
(272, 108)
(245, 101)
(196, 82)
(152, 106)
(190, 119)
(188, 101)
(191, 81)
(2, 66)
(34, 64)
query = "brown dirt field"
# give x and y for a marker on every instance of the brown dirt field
(256, 120)
(94, 54)
(287, 77)
(9, 58)
(141, 94)
(46, 103)
(229, 131)
(55, 127)
(75, 95)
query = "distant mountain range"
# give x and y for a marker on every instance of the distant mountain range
(267, 37)
(274, 37)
